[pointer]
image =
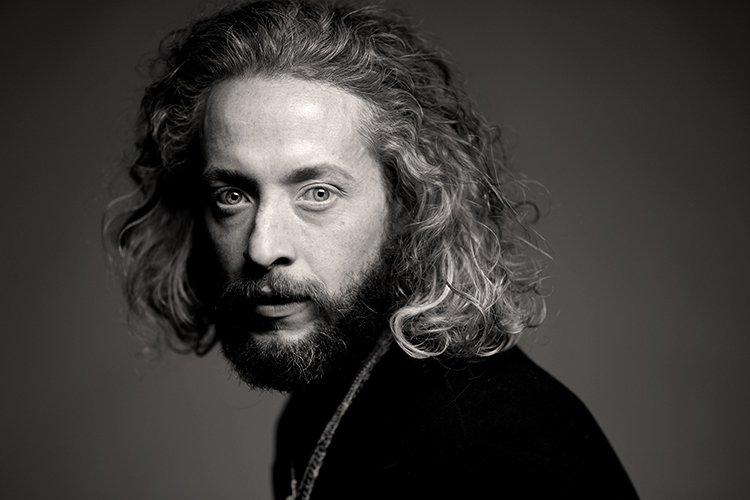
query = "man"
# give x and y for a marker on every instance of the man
(318, 195)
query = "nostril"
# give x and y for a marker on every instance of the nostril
(255, 270)
(282, 261)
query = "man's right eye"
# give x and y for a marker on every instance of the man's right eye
(230, 197)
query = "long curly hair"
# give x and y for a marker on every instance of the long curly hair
(468, 271)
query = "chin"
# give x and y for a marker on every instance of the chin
(283, 336)
(282, 359)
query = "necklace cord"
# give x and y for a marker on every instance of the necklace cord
(303, 489)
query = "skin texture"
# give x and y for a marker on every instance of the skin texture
(293, 192)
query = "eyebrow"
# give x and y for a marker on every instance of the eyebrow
(238, 178)
(316, 171)
(213, 175)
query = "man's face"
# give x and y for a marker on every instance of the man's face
(296, 212)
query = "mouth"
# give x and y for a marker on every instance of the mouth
(281, 309)
(284, 320)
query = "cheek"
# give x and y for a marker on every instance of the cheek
(227, 246)
(357, 244)
(370, 236)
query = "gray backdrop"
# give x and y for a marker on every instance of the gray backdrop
(634, 115)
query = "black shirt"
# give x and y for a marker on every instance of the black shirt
(494, 427)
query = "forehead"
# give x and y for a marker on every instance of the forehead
(289, 113)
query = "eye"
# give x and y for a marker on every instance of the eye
(317, 198)
(320, 194)
(229, 201)
(230, 197)
(317, 194)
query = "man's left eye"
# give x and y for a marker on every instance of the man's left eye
(320, 194)
(317, 194)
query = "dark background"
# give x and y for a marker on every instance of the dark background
(634, 115)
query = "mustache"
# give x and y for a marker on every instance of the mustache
(238, 294)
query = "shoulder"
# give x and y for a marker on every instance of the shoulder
(510, 399)
(504, 400)
(444, 429)
(504, 416)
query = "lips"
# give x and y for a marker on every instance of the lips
(269, 308)
(281, 309)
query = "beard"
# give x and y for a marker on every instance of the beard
(346, 328)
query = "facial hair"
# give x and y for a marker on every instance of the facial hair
(346, 329)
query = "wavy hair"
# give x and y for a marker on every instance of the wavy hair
(468, 272)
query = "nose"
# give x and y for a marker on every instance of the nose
(271, 242)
